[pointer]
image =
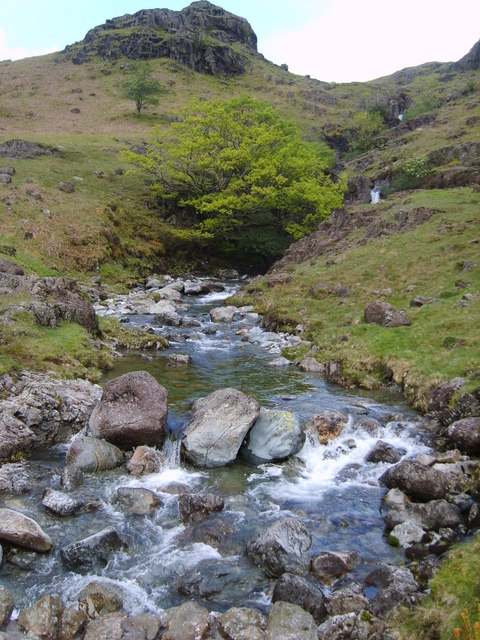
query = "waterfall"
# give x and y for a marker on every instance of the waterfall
(400, 117)
(374, 195)
(171, 451)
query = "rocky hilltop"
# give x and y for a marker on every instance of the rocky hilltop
(201, 36)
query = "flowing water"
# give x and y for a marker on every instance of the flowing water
(334, 491)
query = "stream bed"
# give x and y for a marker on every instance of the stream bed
(331, 487)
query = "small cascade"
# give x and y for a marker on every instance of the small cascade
(171, 451)
(375, 195)
(400, 117)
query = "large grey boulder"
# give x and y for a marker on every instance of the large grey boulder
(299, 590)
(92, 455)
(132, 411)
(290, 622)
(350, 599)
(223, 314)
(217, 428)
(145, 460)
(432, 515)
(99, 599)
(10, 267)
(108, 627)
(15, 436)
(384, 314)
(93, 551)
(465, 434)
(383, 452)
(22, 531)
(281, 548)
(442, 395)
(165, 314)
(416, 480)
(276, 435)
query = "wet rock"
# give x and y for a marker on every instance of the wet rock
(93, 551)
(383, 452)
(347, 600)
(442, 541)
(145, 460)
(43, 618)
(430, 516)
(384, 314)
(218, 426)
(418, 482)
(329, 566)
(328, 425)
(166, 314)
(351, 626)
(443, 394)
(282, 548)
(109, 627)
(10, 267)
(15, 436)
(216, 531)
(71, 478)
(93, 455)
(290, 622)
(22, 531)
(189, 621)
(406, 534)
(300, 591)
(465, 434)
(136, 500)
(194, 507)
(279, 362)
(223, 314)
(242, 624)
(372, 426)
(60, 503)
(311, 365)
(6, 607)
(396, 586)
(142, 627)
(179, 358)
(72, 623)
(99, 599)
(132, 411)
(276, 435)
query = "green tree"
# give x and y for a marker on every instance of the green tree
(363, 130)
(141, 87)
(242, 175)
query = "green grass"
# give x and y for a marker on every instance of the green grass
(443, 340)
(455, 587)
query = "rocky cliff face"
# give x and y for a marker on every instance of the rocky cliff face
(200, 36)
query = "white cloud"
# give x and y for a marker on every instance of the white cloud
(362, 40)
(16, 53)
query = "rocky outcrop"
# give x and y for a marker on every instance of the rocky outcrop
(282, 548)
(276, 435)
(132, 411)
(22, 149)
(200, 36)
(218, 426)
(469, 62)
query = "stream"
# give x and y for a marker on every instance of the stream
(331, 487)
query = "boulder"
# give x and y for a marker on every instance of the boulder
(311, 365)
(442, 395)
(6, 607)
(179, 358)
(7, 171)
(132, 411)
(145, 460)
(281, 548)
(15, 437)
(328, 425)
(276, 435)
(242, 624)
(351, 626)
(290, 622)
(406, 534)
(217, 428)
(99, 599)
(73, 622)
(93, 551)
(10, 267)
(194, 507)
(165, 313)
(66, 187)
(383, 452)
(396, 586)
(430, 516)
(22, 531)
(143, 627)
(15, 478)
(60, 503)
(384, 314)
(189, 621)
(108, 627)
(330, 566)
(417, 481)
(93, 455)
(137, 500)
(299, 590)
(71, 478)
(465, 434)
(43, 618)
(223, 314)
(347, 600)
(218, 531)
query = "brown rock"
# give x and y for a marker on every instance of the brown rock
(195, 507)
(145, 460)
(417, 481)
(328, 425)
(384, 314)
(66, 187)
(329, 566)
(22, 531)
(10, 267)
(189, 621)
(465, 434)
(42, 618)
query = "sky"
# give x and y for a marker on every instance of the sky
(331, 40)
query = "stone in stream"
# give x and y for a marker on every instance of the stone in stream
(328, 425)
(350, 599)
(20, 530)
(60, 503)
(92, 455)
(290, 622)
(43, 618)
(108, 627)
(132, 411)
(99, 599)
(73, 621)
(93, 551)
(351, 625)
(396, 586)
(310, 365)
(6, 607)
(276, 435)
(194, 507)
(15, 436)
(281, 548)
(217, 427)
(383, 452)
(242, 623)
(71, 478)
(417, 481)
(298, 590)
(279, 362)
(223, 314)
(189, 621)
(137, 500)
(406, 534)
(431, 516)
(330, 566)
(145, 460)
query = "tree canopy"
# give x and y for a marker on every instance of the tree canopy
(140, 86)
(241, 174)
